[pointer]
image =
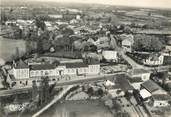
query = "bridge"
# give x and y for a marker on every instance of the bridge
(73, 80)
(56, 99)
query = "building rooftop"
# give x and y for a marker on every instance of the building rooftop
(144, 93)
(75, 65)
(150, 85)
(162, 97)
(135, 79)
(42, 67)
(21, 65)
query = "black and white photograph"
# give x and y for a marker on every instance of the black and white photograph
(85, 58)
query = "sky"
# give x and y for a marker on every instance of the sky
(140, 3)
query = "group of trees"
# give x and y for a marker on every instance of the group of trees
(92, 92)
(147, 43)
(43, 91)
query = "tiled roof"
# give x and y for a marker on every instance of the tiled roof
(75, 65)
(21, 65)
(42, 67)
(151, 86)
(135, 79)
(162, 97)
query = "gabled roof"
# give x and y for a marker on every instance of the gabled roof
(75, 65)
(162, 97)
(144, 93)
(150, 85)
(21, 65)
(135, 79)
(42, 67)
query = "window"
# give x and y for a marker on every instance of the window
(37, 72)
(32, 73)
(41, 73)
(46, 73)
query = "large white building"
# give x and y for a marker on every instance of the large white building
(127, 43)
(24, 71)
(110, 55)
(21, 70)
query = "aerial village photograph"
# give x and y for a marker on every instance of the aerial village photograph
(85, 58)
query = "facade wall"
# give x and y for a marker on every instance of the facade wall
(152, 62)
(70, 71)
(137, 85)
(61, 70)
(144, 76)
(94, 69)
(160, 103)
(110, 55)
(36, 73)
(21, 73)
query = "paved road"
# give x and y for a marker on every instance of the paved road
(71, 81)
(122, 53)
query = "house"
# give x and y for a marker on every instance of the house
(69, 16)
(56, 16)
(154, 59)
(109, 83)
(161, 100)
(1, 79)
(102, 42)
(110, 55)
(152, 87)
(21, 70)
(141, 73)
(145, 94)
(11, 22)
(167, 60)
(128, 43)
(169, 72)
(42, 70)
(116, 91)
(168, 48)
(136, 82)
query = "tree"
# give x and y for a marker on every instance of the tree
(100, 92)
(40, 46)
(34, 90)
(3, 17)
(46, 88)
(17, 52)
(39, 21)
(90, 91)
(67, 32)
(147, 43)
